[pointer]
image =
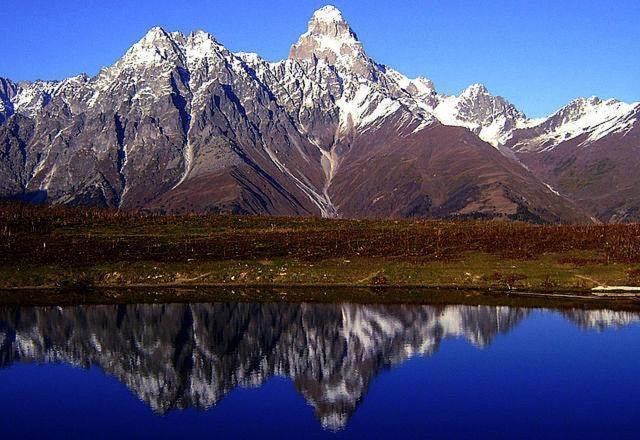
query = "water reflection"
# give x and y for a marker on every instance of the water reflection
(181, 355)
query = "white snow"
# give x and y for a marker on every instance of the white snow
(400, 79)
(201, 45)
(328, 14)
(424, 87)
(364, 108)
(31, 97)
(150, 50)
(419, 88)
(187, 157)
(421, 126)
(250, 58)
(334, 44)
(447, 110)
(352, 109)
(591, 116)
(495, 129)
(323, 203)
(551, 189)
(46, 183)
(383, 109)
(329, 163)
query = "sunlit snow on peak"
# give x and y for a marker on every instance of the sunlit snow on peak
(328, 13)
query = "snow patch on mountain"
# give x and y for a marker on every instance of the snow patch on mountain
(201, 45)
(492, 118)
(328, 13)
(31, 97)
(591, 117)
(364, 108)
(154, 49)
(321, 200)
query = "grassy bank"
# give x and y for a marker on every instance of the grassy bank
(74, 247)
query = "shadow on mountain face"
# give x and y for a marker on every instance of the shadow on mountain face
(36, 197)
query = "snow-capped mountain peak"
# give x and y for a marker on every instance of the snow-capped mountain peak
(422, 86)
(330, 38)
(590, 112)
(328, 13)
(491, 117)
(201, 46)
(155, 47)
(475, 90)
(590, 117)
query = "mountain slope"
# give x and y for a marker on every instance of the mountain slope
(590, 152)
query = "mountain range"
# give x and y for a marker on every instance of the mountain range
(182, 124)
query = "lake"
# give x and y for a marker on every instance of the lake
(296, 370)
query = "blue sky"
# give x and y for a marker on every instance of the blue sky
(538, 54)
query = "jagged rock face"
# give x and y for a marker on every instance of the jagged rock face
(331, 39)
(182, 124)
(180, 356)
(7, 92)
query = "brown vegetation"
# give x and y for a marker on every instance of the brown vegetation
(31, 235)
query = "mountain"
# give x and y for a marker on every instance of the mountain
(177, 356)
(181, 124)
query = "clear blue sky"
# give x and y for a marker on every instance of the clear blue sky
(538, 54)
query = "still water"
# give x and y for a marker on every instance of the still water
(239, 370)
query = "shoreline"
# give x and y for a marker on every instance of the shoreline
(611, 292)
(598, 292)
(327, 293)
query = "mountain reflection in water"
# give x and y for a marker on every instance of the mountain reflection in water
(192, 355)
